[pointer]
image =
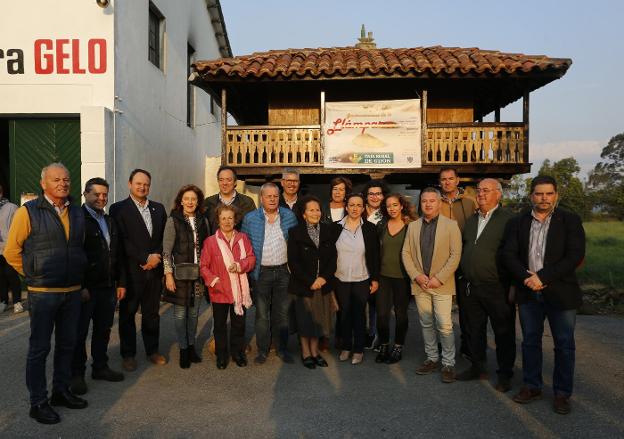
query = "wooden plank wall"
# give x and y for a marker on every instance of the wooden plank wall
(284, 111)
(449, 110)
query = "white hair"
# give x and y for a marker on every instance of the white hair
(268, 185)
(53, 165)
(499, 186)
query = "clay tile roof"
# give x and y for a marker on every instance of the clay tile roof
(354, 62)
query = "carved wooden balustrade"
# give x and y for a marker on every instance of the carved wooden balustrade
(493, 142)
(464, 143)
(273, 146)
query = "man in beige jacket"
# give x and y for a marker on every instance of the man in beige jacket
(431, 254)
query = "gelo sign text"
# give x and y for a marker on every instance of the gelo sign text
(61, 56)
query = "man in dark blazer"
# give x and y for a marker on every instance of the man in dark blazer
(141, 226)
(544, 246)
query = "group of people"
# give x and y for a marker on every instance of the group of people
(341, 268)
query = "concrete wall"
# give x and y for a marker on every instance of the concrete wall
(151, 130)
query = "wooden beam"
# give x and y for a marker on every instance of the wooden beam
(423, 128)
(223, 126)
(525, 121)
(322, 123)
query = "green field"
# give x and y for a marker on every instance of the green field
(604, 258)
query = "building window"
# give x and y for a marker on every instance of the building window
(190, 90)
(155, 35)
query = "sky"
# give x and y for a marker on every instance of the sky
(573, 116)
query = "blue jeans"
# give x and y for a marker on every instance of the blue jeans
(532, 315)
(58, 312)
(272, 304)
(186, 325)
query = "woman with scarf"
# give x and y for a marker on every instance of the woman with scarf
(185, 231)
(312, 264)
(226, 259)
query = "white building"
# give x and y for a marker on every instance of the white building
(101, 85)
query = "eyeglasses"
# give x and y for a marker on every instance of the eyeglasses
(291, 181)
(375, 194)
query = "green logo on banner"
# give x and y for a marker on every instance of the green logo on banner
(374, 158)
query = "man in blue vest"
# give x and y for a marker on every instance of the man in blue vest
(267, 228)
(45, 244)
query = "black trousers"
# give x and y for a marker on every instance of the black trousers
(146, 295)
(491, 301)
(352, 298)
(101, 309)
(236, 343)
(393, 292)
(460, 286)
(9, 280)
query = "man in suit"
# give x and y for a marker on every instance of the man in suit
(431, 254)
(141, 226)
(485, 292)
(544, 247)
(103, 286)
(226, 177)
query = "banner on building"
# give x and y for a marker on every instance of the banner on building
(373, 134)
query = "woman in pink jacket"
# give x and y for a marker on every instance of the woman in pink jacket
(226, 258)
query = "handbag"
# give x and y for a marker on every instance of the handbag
(186, 271)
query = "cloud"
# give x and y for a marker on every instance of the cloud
(586, 153)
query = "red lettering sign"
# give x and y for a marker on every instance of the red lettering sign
(51, 56)
(100, 44)
(40, 68)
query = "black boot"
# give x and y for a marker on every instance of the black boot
(382, 356)
(185, 361)
(193, 355)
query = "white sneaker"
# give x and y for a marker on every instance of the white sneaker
(17, 307)
(3, 306)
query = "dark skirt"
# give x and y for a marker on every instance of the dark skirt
(314, 315)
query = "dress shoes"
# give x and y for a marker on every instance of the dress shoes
(221, 363)
(260, 359)
(527, 395)
(157, 359)
(357, 358)
(344, 355)
(185, 360)
(240, 359)
(447, 374)
(105, 374)
(561, 404)
(503, 384)
(78, 385)
(427, 367)
(193, 356)
(286, 357)
(44, 414)
(129, 364)
(67, 399)
(471, 374)
(320, 361)
(309, 362)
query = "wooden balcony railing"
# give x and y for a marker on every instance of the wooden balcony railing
(474, 143)
(273, 146)
(465, 143)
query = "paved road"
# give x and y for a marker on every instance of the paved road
(286, 401)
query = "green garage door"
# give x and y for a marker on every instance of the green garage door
(34, 143)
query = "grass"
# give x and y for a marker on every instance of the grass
(604, 256)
